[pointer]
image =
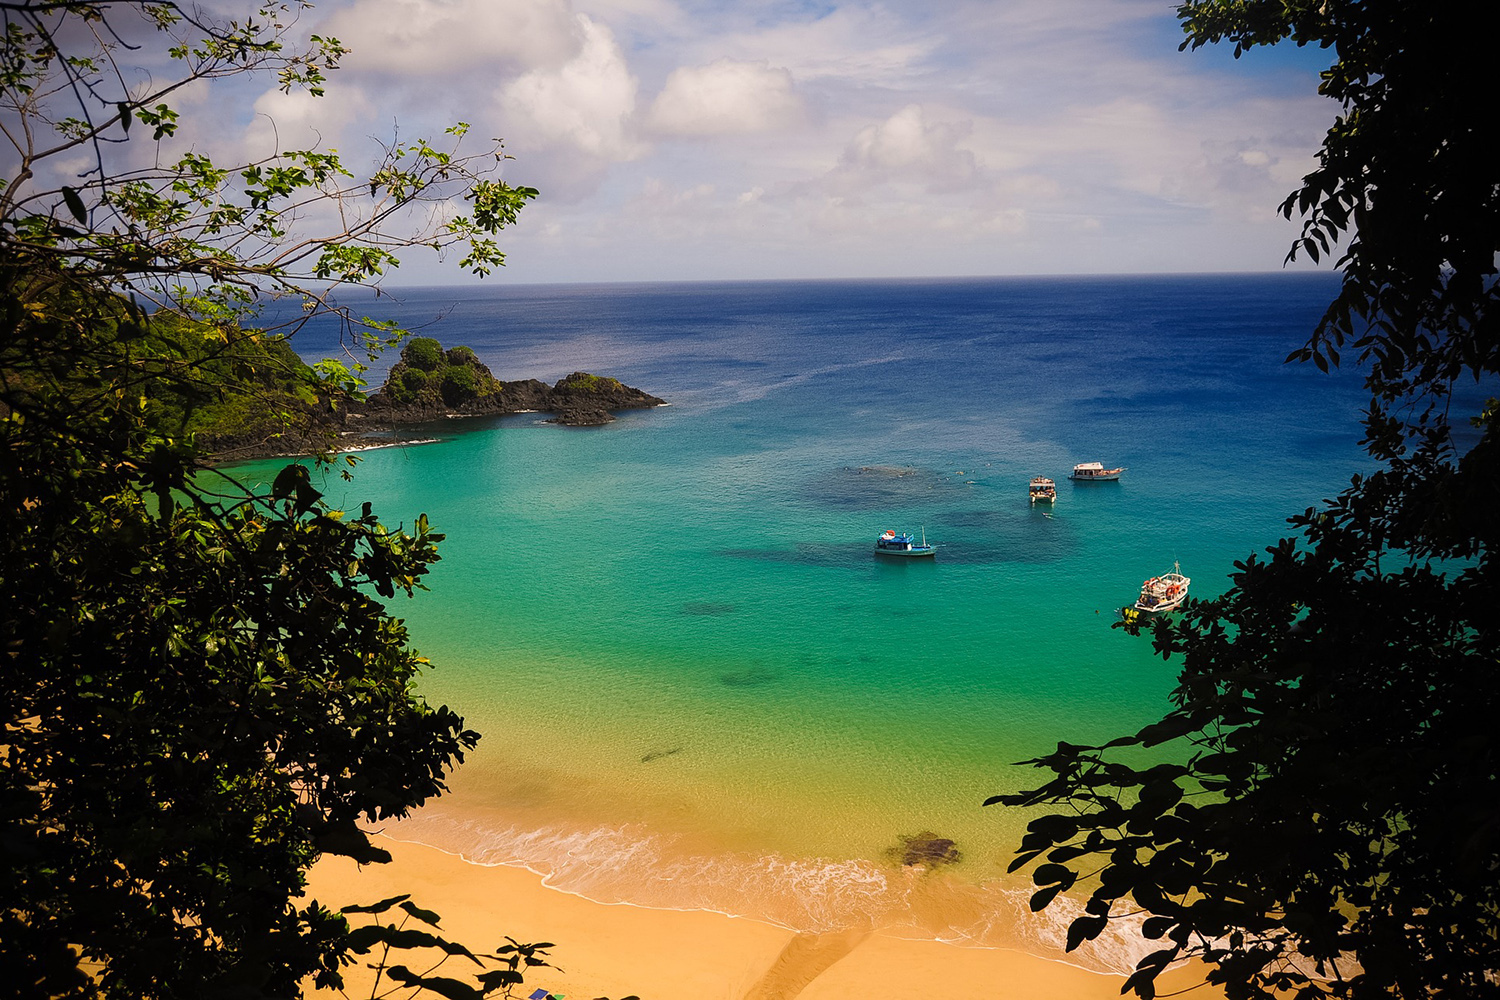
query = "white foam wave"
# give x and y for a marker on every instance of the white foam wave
(628, 865)
(349, 448)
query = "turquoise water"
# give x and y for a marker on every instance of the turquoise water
(699, 687)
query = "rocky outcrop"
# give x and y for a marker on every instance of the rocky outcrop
(430, 384)
(584, 400)
(427, 385)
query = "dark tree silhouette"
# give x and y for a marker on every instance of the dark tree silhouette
(1324, 818)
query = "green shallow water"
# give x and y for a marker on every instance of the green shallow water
(699, 687)
(697, 684)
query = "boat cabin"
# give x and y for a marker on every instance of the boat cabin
(1089, 471)
(1043, 490)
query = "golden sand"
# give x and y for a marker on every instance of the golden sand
(621, 950)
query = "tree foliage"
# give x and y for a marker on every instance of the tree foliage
(202, 687)
(1324, 814)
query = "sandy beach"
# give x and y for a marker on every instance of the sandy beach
(617, 951)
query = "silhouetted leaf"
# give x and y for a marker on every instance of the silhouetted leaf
(75, 205)
(452, 989)
(380, 907)
(426, 916)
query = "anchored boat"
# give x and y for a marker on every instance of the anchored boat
(903, 544)
(1165, 592)
(1094, 472)
(1043, 490)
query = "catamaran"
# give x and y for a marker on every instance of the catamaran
(1043, 490)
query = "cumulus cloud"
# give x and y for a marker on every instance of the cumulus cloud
(909, 146)
(725, 97)
(586, 103)
(301, 121)
(1016, 130)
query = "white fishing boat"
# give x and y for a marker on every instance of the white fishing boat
(1165, 592)
(903, 544)
(1094, 472)
(1043, 490)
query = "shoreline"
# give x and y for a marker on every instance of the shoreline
(622, 949)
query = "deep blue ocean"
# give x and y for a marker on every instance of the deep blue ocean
(700, 688)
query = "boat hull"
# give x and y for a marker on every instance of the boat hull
(1171, 605)
(915, 552)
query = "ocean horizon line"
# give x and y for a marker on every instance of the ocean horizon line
(391, 288)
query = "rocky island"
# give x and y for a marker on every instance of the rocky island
(428, 384)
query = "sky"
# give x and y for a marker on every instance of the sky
(691, 140)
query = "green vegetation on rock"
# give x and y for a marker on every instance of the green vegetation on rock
(584, 382)
(428, 376)
(423, 353)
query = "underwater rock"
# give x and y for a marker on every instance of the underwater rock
(924, 850)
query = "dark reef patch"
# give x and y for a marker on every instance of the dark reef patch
(877, 487)
(749, 677)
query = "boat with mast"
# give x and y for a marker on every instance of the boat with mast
(904, 544)
(1165, 592)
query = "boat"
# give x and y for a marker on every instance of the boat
(1165, 592)
(1043, 490)
(903, 544)
(1094, 472)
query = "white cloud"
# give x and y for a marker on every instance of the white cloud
(725, 97)
(301, 121)
(911, 147)
(586, 103)
(1034, 135)
(851, 44)
(907, 141)
(420, 38)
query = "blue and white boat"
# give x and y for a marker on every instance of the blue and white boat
(903, 544)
